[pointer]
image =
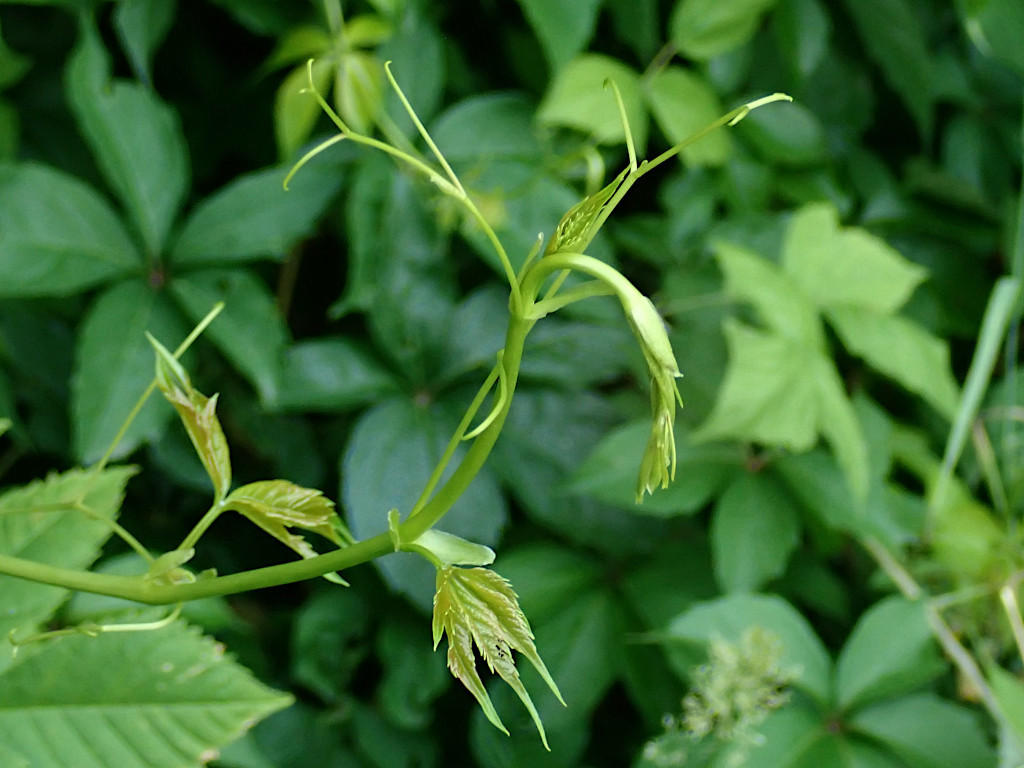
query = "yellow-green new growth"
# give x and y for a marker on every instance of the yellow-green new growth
(477, 607)
(658, 465)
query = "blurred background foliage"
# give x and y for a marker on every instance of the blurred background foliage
(824, 269)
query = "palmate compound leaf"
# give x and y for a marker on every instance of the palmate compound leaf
(277, 505)
(477, 607)
(162, 699)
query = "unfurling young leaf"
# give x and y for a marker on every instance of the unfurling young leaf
(476, 606)
(198, 414)
(277, 505)
(577, 227)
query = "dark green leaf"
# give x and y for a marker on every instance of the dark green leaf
(890, 652)
(729, 617)
(254, 217)
(802, 29)
(547, 577)
(136, 138)
(546, 436)
(390, 455)
(250, 332)
(399, 270)
(417, 52)
(114, 366)
(928, 732)
(999, 24)
(755, 530)
(486, 127)
(683, 562)
(896, 39)
(414, 675)
(141, 26)
(57, 235)
(703, 29)
(332, 375)
(564, 28)
(785, 134)
(329, 641)
(609, 473)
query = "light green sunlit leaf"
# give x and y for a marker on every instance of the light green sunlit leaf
(177, 701)
(780, 303)
(578, 98)
(682, 103)
(901, 349)
(834, 265)
(39, 522)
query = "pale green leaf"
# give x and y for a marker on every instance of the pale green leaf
(779, 301)
(703, 29)
(769, 394)
(296, 109)
(578, 98)
(901, 349)
(682, 103)
(114, 366)
(177, 702)
(254, 217)
(835, 265)
(754, 532)
(926, 731)
(57, 235)
(250, 331)
(359, 90)
(1009, 692)
(39, 522)
(838, 422)
(136, 138)
(564, 27)
(890, 652)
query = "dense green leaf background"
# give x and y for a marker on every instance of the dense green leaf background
(824, 270)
